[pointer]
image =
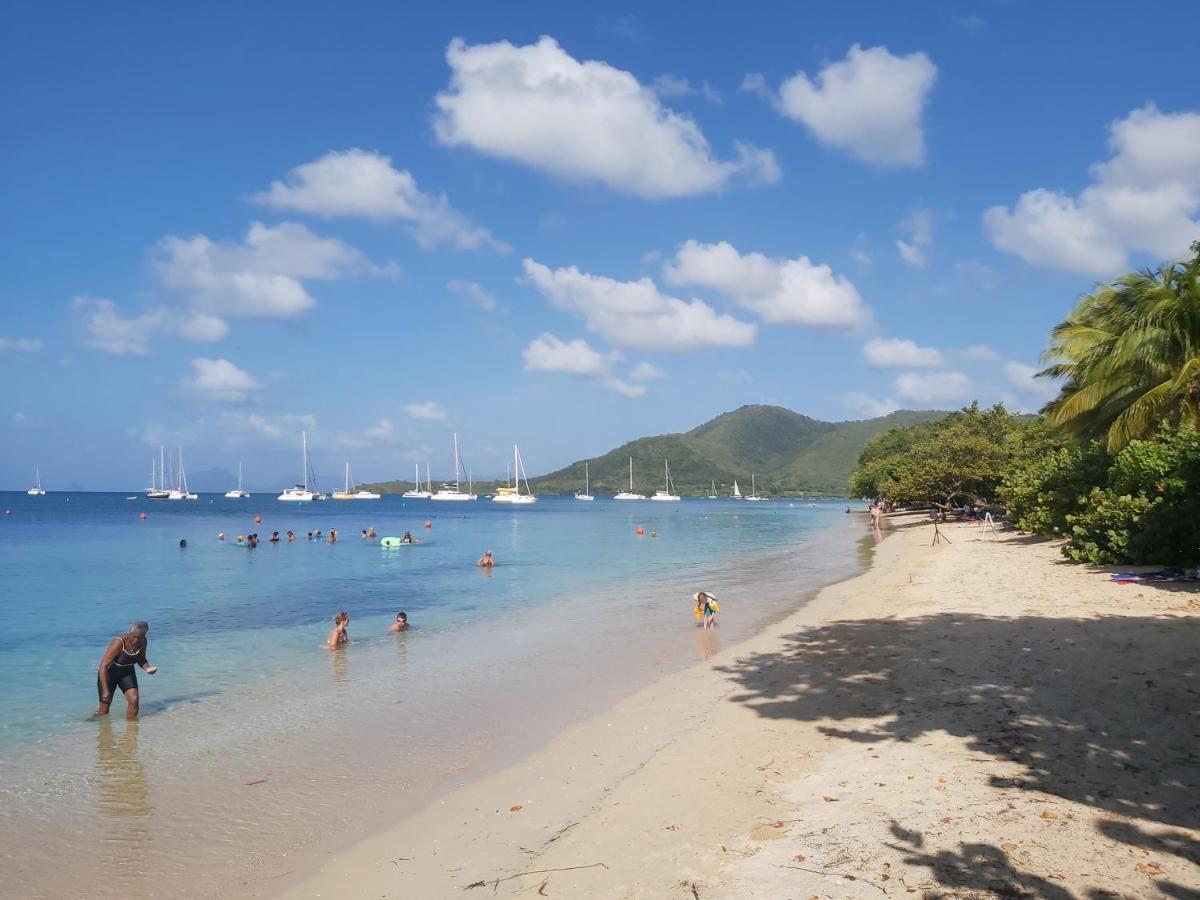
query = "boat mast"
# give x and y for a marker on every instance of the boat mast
(456, 462)
(304, 453)
(587, 481)
(631, 474)
(162, 468)
(239, 476)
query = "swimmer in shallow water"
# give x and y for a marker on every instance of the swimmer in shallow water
(408, 538)
(340, 633)
(116, 669)
(401, 623)
(486, 561)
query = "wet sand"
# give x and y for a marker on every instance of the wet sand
(970, 719)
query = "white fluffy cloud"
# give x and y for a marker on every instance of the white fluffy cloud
(20, 345)
(636, 313)
(933, 387)
(919, 228)
(473, 292)
(1145, 198)
(429, 411)
(1022, 377)
(105, 329)
(360, 184)
(583, 121)
(794, 291)
(900, 353)
(379, 432)
(219, 379)
(624, 388)
(867, 406)
(645, 371)
(548, 353)
(260, 277)
(869, 104)
(677, 86)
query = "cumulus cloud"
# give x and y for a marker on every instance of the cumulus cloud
(624, 388)
(20, 345)
(260, 277)
(219, 379)
(933, 387)
(979, 353)
(429, 411)
(867, 406)
(636, 313)
(919, 228)
(869, 104)
(379, 432)
(360, 184)
(548, 353)
(105, 329)
(645, 371)
(794, 291)
(474, 293)
(1145, 198)
(279, 429)
(1023, 378)
(900, 353)
(582, 121)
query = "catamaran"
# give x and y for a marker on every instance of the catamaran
(712, 491)
(348, 493)
(238, 493)
(36, 490)
(753, 491)
(629, 494)
(665, 494)
(587, 485)
(307, 491)
(448, 493)
(512, 494)
(418, 493)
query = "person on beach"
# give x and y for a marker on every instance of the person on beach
(116, 669)
(339, 635)
(486, 561)
(401, 623)
(706, 608)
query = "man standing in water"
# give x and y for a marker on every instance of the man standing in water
(116, 669)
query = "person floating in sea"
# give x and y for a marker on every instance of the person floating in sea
(291, 536)
(706, 608)
(401, 623)
(220, 536)
(363, 534)
(116, 669)
(332, 535)
(486, 561)
(183, 543)
(371, 533)
(339, 634)
(252, 541)
(274, 538)
(407, 538)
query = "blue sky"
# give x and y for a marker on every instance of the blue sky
(563, 225)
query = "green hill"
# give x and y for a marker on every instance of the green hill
(788, 453)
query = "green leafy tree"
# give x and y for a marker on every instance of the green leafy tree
(1130, 356)
(1048, 476)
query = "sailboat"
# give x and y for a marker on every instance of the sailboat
(238, 494)
(513, 494)
(417, 493)
(629, 494)
(448, 493)
(180, 491)
(587, 485)
(737, 494)
(753, 491)
(158, 480)
(665, 494)
(36, 490)
(307, 491)
(348, 493)
(712, 491)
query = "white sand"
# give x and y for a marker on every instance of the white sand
(971, 719)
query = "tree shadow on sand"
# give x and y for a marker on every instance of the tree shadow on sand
(1099, 711)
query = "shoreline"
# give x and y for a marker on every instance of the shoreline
(910, 728)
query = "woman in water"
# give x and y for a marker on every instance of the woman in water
(339, 635)
(116, 669)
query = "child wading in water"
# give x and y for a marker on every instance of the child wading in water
(706, 608)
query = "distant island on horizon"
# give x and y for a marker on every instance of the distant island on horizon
(788, 455)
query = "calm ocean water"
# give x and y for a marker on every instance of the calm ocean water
(579, 611)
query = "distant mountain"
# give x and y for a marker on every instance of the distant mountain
(789, 454)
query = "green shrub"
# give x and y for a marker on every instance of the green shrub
(1041, 490)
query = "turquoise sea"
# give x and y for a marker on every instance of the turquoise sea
(579, 611)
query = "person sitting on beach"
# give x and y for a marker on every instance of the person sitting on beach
(339, 634)
(333, 535)
(274, 538)
(706, 608)
(401, 623)
(116, 669)
(486, 561)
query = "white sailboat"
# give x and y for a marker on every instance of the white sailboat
(753, 491)
(238, 494)
(180, 491)
(737, 494)
(629, 494)
(587, 485)
(302, 492)
(349, 492)
(158, 488)
(448, 493)
(417, 493)
(36, 490)
(665, 494)
(712, 491)
(513, 494)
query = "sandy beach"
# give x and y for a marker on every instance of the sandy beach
(976, 718)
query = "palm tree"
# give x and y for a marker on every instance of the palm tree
(1130, 354)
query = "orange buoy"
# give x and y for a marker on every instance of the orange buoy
(640, 530)
(428, 524)
(258, 520)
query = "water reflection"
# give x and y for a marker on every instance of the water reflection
(707, 642)
(124, 789)
(341, 665)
